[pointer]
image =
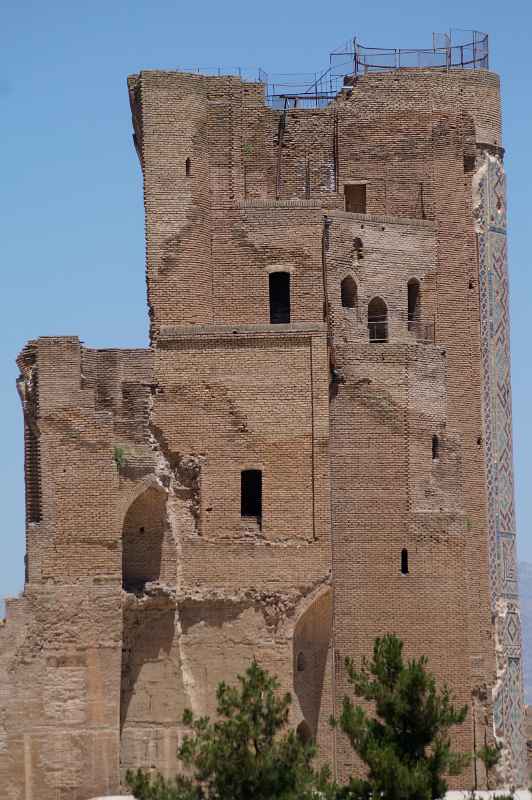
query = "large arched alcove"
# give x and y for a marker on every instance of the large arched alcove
(148, 550)
(152, 694)
(311, 644)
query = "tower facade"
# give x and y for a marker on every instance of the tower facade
(314, 450)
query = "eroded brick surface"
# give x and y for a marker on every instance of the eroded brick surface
(144, 585)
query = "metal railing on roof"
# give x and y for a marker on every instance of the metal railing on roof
(248, 74)
(457, 49)
(310, 90)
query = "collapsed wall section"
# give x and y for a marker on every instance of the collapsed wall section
(140, 485)
(62, 639)
(231, 399)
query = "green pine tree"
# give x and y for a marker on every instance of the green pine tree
(490, 757)
(406, 745)
(248, 753)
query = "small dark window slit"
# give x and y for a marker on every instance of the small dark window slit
(414, 300)
(188, 168)
(348, 291)
(279, 286)
(404, 561)
(251, 493)
(435, 448)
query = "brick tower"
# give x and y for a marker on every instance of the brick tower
(314, 450)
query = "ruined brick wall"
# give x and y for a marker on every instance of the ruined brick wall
(411, 139)
(146, 585)
(133, 609)
(62, 640)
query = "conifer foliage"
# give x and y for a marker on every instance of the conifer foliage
(406, 745)
(247, 753)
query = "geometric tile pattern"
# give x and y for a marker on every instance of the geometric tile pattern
(497, 412)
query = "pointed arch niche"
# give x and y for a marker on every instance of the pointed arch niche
(152, 694)
(148, 549)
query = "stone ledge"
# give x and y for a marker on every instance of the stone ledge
(340, 213)
(170, 333)
(381, 219)
(296, 203)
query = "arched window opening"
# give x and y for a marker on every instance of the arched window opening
(435, 448)
(377, 321)
(304, 733)
(348, 291)
(279, 285)
(404, 561)
(414, 304)
(301, 661)
(251, 493)
(188, 168)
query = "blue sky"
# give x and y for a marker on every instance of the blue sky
(72, 243)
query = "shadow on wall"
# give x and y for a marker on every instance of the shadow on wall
(312, 638)
(147, 664)
(215, 614)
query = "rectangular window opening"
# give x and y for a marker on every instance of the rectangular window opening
(355, 198)
(251, 494)
(279, 286)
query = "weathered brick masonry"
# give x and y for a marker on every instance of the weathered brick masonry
(342, 359)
